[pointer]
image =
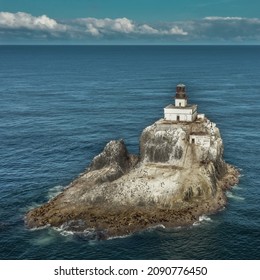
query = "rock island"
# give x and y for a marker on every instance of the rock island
(179, 175)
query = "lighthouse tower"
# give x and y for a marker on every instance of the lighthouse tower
(181, 97)
(181, 110)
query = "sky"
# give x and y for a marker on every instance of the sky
(129, 22)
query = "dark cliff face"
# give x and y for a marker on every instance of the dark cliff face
(114, 153)
(171, 143)
(159, 146)
(116, 157)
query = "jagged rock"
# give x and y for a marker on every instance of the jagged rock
(179, 175)
(115, 153)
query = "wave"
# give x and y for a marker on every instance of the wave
(237, 187)
(202, 220)
(53, 192)
(30, 207)
(62, 231)
(39, 228)
(156, 226)
(46, 237)
(205, 218)
(44, 240)
(119, 236)
(233, 196)
(76, 228)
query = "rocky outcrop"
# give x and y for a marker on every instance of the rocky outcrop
(179, 175)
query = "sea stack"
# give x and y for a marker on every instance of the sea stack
(179, 175)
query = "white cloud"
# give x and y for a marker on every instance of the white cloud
(102, 26)
(26, 21)
(209, 29)
(229, 29)
(177, 31)
(233, 19)
(91, 29)
(223, 18)
(125, 26)
(45, 27)
(146, 29)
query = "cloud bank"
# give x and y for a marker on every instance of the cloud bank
(24, 20)
(24, 26)
(124, 26)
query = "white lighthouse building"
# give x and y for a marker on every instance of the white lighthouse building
(181, 110)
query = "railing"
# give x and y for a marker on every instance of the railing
(181, 95)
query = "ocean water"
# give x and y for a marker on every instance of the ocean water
(61, 104)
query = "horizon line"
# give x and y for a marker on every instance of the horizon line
(162, 45)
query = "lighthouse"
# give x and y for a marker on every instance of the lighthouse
(180, 110)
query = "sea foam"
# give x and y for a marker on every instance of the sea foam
(233, 196)
(54, 191)
(203, 219)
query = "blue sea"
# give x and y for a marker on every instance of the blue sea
(59, 106)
